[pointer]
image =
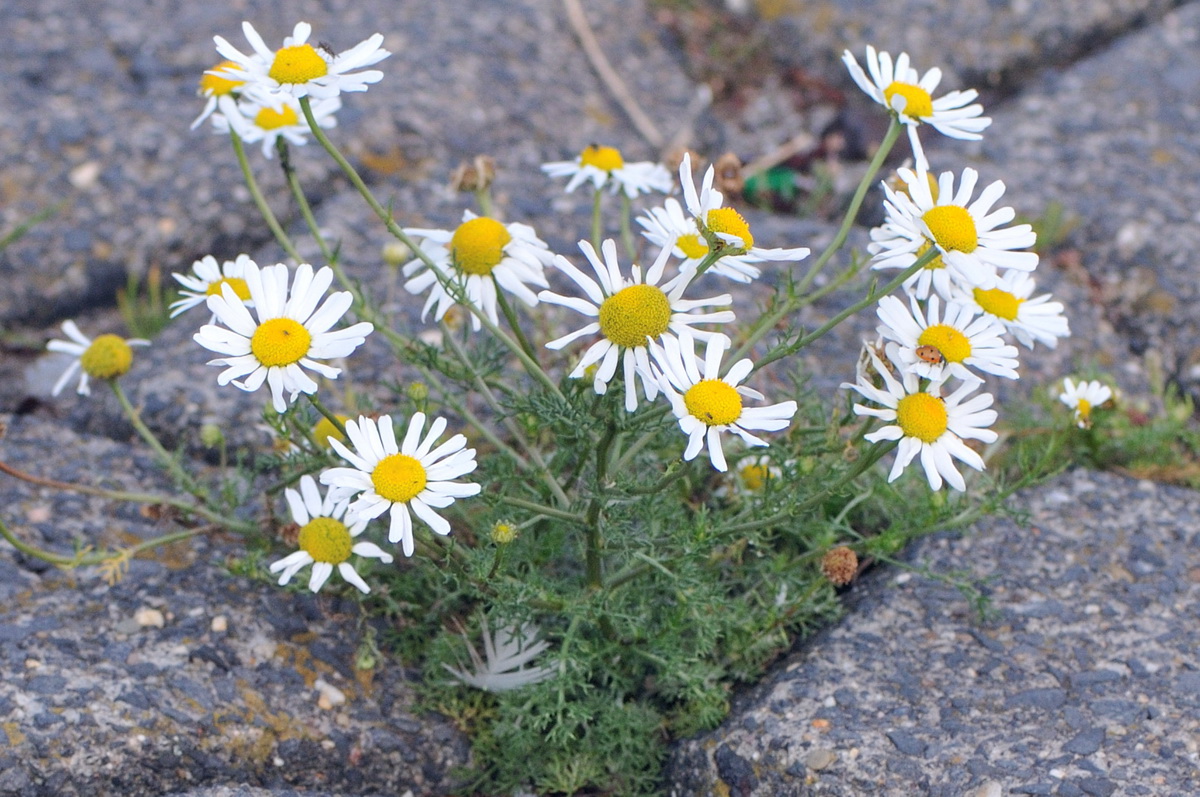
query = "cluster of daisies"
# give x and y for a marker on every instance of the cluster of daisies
(281, 327)
(974, 290)
(639, 324)
(257, 95)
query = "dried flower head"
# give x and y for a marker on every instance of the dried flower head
(840, 565)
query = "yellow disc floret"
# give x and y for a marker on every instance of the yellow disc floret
(218, 85)
(280, 341)
(108, 357)
(953, 344)
(325, 430)
(272, 119)
(631, 314)
(298, 64)
(326, 540)
(606, 159)
(922, 416)
(399, 478)
(730, 222)
(1083, 411)
(477, 246)
(714, 402)
(238, 285)
(754, 477)
(952, 227)
(917, 104)
(937, 261)
(693, 246)
(999, 303)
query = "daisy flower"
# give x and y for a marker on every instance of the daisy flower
(414, 476)
(268, 121)
(927, 423)
(298, 68)
(717, 227)
(605, 166)
(106, 357)
(1082, 398)
(902, 90)
(935, 346)
(1029, 320)
(206, 280)
(707, 403)
(969, 235)
(629, 313)
(292, 334)
(669, 227)
(480, 255)
(214, 84)
(325, 539)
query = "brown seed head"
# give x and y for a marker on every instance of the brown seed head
(840, 565)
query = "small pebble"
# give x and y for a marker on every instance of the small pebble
(330, 696)
(988, 789)
(819, 759)
(219, 624)
(32, 664)
(85, 174)
(146, 617)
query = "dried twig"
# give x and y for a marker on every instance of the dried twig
(604, 69)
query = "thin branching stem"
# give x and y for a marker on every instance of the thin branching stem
(259, 200)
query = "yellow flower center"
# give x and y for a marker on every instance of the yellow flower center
(954, 345)
(922, 416)
(271, 119)
(326, 540)
(280, 341)
(1083, 410)
(632, 314)
(952, 227)
(754, 477)
(237, 283)
(606, 159)
(918, 103)
(298, 64)
(324, 430)
(217, 86)
(694, 247)
(503, 533)
(937, 261)
(477, 246)
(715, 402)
(999, 303)
(398, 478)
(108, 357)
(730, 222)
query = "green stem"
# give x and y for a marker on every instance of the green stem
(260, 200)
(769, 320)
(597, 227)
(293, 181)
(82, 560)
(531, 366)
(626, 228)
(511, 316)
(885, 148)
(872, 297)
(594, 540)
(182, 478)
(133, 498)
(864, 462)
(328, 413)
(542, 509)
(509, 424)
(484, 197)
